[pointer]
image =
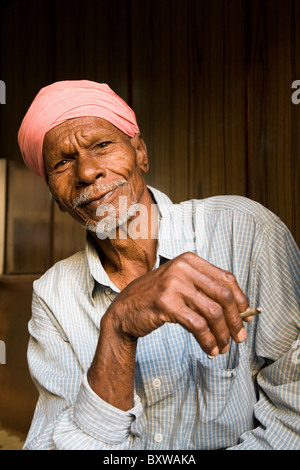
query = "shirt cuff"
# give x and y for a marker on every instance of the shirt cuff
(103, 421)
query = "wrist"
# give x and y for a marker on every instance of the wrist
(113, 324)
(111, 374)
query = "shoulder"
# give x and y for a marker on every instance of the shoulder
(62, 275)
(234, 222)
(224, 205)
(237, 212)
(235, 206)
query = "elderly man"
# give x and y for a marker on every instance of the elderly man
(137, 342)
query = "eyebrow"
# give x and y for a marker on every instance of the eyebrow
(89, 140)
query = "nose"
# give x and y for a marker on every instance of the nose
(88, 169)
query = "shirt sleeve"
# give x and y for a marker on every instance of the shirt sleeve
(68, 413)
(277, 341)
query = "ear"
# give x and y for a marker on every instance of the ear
(141, 151)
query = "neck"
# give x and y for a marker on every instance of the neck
(132, 252)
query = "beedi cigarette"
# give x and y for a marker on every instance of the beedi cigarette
(250, 312)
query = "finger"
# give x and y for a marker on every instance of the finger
(213, 313)
(230, 280)
(198, 327)
(223, 288)
(221, 275)
(234, 306)
(224, 306)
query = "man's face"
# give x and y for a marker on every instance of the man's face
(90, 163)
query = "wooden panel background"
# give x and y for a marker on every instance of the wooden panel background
(209, 80)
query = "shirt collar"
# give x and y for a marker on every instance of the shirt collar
(96, 270)
(170, 238)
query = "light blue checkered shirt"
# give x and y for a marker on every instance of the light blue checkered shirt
(248, 398)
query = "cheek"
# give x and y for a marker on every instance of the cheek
(60, 191)
(129, 171)
(124, 164)
(121, 166)
(132, 174)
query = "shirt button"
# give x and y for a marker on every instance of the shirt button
(156, 383)
(108, 290)
(158, 437)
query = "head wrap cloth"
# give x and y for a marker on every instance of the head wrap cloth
(64, 100)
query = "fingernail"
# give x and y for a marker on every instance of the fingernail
(224, 350)
(242, 335)
(214, 352)
(248, 319)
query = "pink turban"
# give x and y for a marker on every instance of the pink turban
(64, 100)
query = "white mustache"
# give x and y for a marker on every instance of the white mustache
(91, 191)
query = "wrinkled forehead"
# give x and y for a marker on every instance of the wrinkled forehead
(82, 131)
(84, 126)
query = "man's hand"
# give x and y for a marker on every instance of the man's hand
(202, 298)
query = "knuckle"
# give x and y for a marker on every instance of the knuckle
(226, 294)
(188, 255)
(229, 278)
(236, 322)
(182, 262)
(196, 323)
(214, 312)
(179, 263)
(163, 302)
(172, 284)
(185, 258)
(243, 302)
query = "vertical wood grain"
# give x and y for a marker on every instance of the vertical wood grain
(18, 394)
(206, 60)
(160, 90)
(235, 98)
(25, 64)
(295, 182)
(26, 60)
(209, 80)
(2, 212)
(217, 98)
(90, 41)
(270, 109)
(28, 222)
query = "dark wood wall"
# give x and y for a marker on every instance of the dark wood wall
(210, 82)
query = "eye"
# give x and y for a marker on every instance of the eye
(102, 145)
(60, 164)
